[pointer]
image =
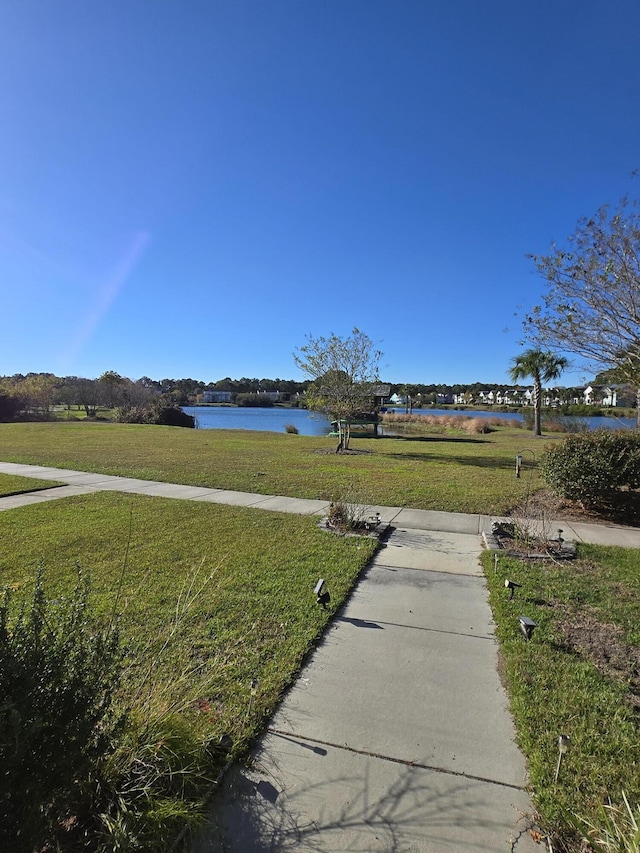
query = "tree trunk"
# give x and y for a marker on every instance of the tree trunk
(537, 405)
(347, 435)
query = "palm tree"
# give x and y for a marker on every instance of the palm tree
(541, 367)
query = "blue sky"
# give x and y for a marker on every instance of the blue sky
(190, 187)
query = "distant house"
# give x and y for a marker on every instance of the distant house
(609, 395)
(217, 396)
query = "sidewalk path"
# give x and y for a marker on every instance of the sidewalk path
(79, 482)
(396, 737)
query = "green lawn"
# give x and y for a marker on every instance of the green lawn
(11, 485)
(255, 615)
(453, 472)
(579, 675)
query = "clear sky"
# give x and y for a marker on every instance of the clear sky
(190, 187)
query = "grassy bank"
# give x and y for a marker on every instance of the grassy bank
(579, 676)
(455, 471)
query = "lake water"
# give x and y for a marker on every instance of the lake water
(312, 423)
(271, 420)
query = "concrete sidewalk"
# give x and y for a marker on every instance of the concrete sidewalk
(396, 735)
(80, 482)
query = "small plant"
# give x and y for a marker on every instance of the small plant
(291, 428)
(348, 513)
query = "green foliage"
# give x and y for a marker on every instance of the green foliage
(58, 675)
(541, 367)
(262, 401)
(160, 411)
(594, 467)
(344, 372)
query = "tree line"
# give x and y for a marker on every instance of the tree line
(36, 394)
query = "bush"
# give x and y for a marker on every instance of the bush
(291, 428)
(58, 676)
(594, 467)
(83, 767)
(157, 412)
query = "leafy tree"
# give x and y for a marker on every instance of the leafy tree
(344, 373)
(592, 304)
(541, 367)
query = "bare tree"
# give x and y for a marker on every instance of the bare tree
(344, 373)
(592, 304)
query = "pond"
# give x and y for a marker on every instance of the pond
(272, 420)
(313, 423)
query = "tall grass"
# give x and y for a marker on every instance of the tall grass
(445, 423)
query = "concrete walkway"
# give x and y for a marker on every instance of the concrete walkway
(80, 482)
(396, 735)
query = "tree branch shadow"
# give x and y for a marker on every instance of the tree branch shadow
(371, 805)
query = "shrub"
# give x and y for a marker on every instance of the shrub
(594, 467)
(58, 676)
(158, 411)
(291, 428)
(83, 766)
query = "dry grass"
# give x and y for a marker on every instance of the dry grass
(446, 423)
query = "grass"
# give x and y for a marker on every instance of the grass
(12, 485)
(254, 615)
(579, 676)
(453, 472)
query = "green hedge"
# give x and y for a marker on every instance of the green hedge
(593, 467)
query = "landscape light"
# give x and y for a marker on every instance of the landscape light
(527, 626)
(254, 690)
(225, 742)
(322, 593)
(373, 521)
(560, 539)
(563, 746)
(511, 586)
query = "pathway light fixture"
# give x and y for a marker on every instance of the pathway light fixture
(563, 746)
(527, 626)
(322, 593)
(511, 586)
